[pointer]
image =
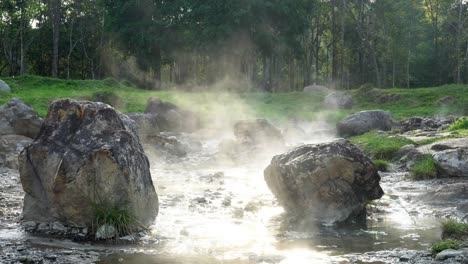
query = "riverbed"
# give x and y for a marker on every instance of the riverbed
(217, 211)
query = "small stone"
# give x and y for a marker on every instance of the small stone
(51, 257)
(105, 232)
(43, 226)
(30, 224)
(58, 227)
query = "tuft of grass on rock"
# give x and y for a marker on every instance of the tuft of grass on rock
(446, 244)
(382, 165)
(454, 230)
(424, 168)
(381, 146)
(461, 123)
(119, 218)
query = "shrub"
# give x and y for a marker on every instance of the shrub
(424, 168)
(454, 230)
(380, 146)
(111, 82)
(461, 123)
(382, 165)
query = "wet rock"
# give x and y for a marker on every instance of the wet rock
(10, 148)
(4, 87)
(257, 132)
(58, 227)
(105, 232)
(403, 151)
(30, 224)
(451, 253)
(339, 100)
(172, 118)
(452, 162)
(329, 182)
(85, 154)
(315, 89)
(364, 121)
(18, 118)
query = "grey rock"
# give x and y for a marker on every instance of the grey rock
(105, 232)
(18, 118)
(452, 143)
(86, 153)
(164, 144)
(4, 87)
(364, 121)
(425, 123)
(339, 100)
(58, 227)
(257, 132)
(451, 253)
(30, 224)
(452, 162)
(447, 100)
(172, 118)
(405, 150)
(10, 148)
(146, 125)
(329, 182)
(316, 89)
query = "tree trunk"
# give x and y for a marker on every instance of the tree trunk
(54, 9)
(459, 40)
(342, 79)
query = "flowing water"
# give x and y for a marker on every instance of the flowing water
(220, 212)
(227, 213)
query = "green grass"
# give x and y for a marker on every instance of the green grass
(460, 124)
(382, 165)
(119, 218)
(380, 146)
(455, 230)
(455, 235)
(40, 91)
(424, 168)
(447, 244)
(418, 102)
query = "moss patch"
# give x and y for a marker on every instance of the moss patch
(380, 146)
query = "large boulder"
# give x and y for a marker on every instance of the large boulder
(364, 121)
(172, 118)
(329, 182)
(452, 162)
(4, 87)
(316, 89)
(339, 100)
(257, 132)
(86, 156)
(10, 147)
(18, 118)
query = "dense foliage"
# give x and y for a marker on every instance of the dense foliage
(270, 45)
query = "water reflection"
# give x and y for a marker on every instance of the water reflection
(233, 218)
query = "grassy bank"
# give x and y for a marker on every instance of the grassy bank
(40, 91)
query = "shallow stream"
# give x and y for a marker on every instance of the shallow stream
(217, 212)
